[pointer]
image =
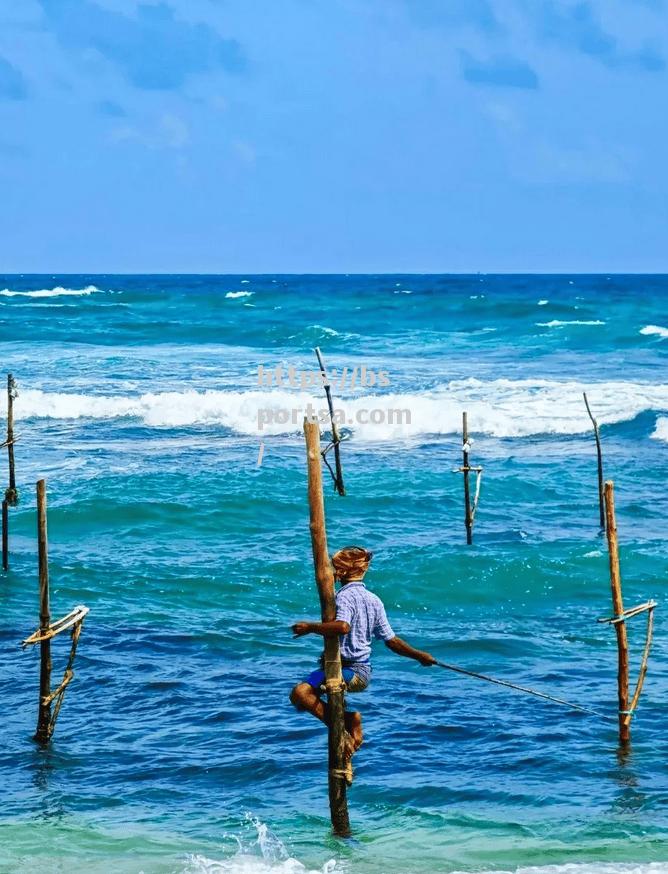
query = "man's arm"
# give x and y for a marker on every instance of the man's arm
(396, 644)
(326, 629)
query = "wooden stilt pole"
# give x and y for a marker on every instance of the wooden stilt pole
(5, 535)
(468, 519)
(601, 497)
(324, 577)
(11, 494)
(618, 607)
(43, 732)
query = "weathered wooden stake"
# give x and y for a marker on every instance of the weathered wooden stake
(618, 607)
(11, 494)
(43, 732)
(324, 576)
(601, 497)
(468, 519)
(5, 535)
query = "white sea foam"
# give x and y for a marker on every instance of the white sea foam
(245, 863)
(265, 855)
(587, 868)
(655, 330)
(235, 294)
(543, 302)
(557, 323)
(661, 430)
(501, 408)
(59, 291)
(242, 863)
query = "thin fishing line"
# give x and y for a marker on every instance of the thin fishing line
(524, 689)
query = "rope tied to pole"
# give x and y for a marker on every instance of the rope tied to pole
(56, 697)
(73, 620)
(334, 686)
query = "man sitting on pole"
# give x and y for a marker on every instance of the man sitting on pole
(360, 618)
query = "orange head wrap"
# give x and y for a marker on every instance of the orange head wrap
(351, 562)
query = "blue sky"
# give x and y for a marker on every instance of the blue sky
(334, 136)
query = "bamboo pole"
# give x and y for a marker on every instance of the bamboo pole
(11, 493)
(324, 577)
(43, 732)
(618, 608)
(599, 456)
(5, 535)
(468, 519)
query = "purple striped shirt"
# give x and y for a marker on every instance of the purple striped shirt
(365, 614)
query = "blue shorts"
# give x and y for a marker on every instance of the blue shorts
(353, 681)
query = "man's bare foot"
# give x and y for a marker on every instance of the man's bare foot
(354, 734)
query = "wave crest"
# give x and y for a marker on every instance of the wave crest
(500, 408)
(654, 330)
(58, 291)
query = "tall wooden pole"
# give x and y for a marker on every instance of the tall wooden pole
(601, 497)
(11, 494)
(44, 714)
(324, 577)
(618, 607)
(467, 490)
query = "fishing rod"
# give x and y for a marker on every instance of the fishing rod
(524, 689)
(336, 439)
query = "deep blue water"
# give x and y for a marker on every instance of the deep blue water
(176, 749)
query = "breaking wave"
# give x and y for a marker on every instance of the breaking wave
(236, 294)
(58, 291)
(266, 854)
(655, 330)
(500, 408)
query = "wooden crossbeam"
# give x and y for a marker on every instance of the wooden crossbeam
(60, 625)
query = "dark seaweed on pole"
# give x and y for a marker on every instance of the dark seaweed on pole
(601, 498)
(337, 473)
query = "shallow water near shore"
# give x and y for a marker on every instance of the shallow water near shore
(176, 749)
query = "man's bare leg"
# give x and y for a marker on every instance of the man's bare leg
(304, 697)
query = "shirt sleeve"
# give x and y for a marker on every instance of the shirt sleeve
(382, 629)
(344, 609)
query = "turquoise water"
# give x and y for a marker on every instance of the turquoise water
(176, 749)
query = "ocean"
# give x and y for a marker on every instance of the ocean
(176, 749)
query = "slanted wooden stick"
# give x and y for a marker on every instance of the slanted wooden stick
(324, 577)
(601, 498)
(618, 608)
(11, 494)
(468, 520)
(336, 439)
(43, 732)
